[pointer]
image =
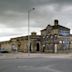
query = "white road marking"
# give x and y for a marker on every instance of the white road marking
(47, 68)
(50, 69)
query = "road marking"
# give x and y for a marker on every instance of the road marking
(22, 67)
(47, 68)
(50, 69)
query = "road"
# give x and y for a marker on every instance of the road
(38, 64)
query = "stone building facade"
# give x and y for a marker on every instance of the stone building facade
(20, 44)
(6, 45)
(53, 39)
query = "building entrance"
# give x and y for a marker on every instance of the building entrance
(37, 47)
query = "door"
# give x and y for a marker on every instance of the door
(37, 46)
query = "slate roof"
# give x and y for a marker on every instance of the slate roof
(57, 27)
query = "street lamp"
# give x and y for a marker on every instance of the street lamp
(29, 29)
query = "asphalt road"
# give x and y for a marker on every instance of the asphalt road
(36, 65)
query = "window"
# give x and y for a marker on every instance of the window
(60, 41)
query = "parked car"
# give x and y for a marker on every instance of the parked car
(2, 50)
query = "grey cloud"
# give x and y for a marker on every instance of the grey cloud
(15, 4)
(44, 2)
(9, 34)
(23, 5)
(12, 31)
(13, 13)
(60, 1)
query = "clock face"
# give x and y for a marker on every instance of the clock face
(64, 33)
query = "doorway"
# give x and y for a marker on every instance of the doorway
(37, 46)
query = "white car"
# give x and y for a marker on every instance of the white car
(2, 50)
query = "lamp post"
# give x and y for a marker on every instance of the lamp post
(29, 28)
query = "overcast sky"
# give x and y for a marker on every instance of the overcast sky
(14, 16)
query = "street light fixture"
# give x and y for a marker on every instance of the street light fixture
(29, 29)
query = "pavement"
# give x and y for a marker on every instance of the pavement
(33, 55)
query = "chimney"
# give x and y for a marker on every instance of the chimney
(55, 22)
(33, 33)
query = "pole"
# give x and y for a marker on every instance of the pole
(29, 29)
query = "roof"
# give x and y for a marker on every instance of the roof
(43, 30)
(56, 27)
(59, 26)
(46, 27)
